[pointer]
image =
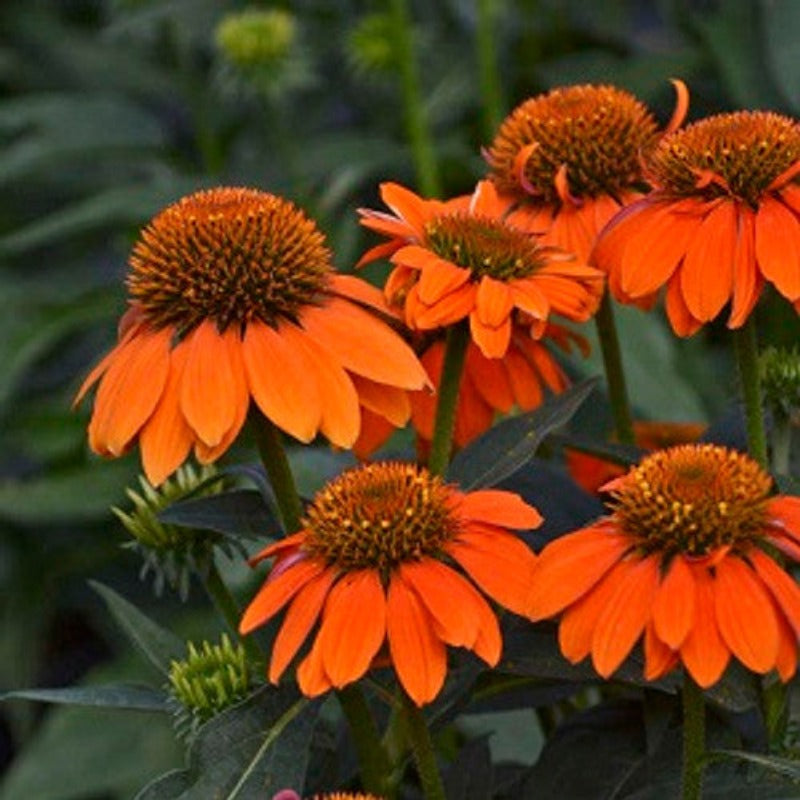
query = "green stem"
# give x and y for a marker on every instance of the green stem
(273, 456)
(694, 739)
(419, 738)
(615, 374)
(491, 91)
(416, 122)
(781, 440)
(746, 350)
(444, 425)
(230, 611)
(372, 757)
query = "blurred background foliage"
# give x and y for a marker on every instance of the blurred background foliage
(111, 109)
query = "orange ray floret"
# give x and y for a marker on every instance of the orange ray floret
(464, 260)
(376, 568)
(722, 221)
(568, 160)
(234, 299)
(684, 561)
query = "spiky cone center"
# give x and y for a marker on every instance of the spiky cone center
(211, 678)
(739, 154)
(485, 245)
(230, 255)
(693, 499)
(378, 516)
(597, 132)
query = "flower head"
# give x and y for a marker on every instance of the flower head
(233, 297)
(723, 219)
(687, 559)
(570, 158)
(463, 259)
(378, 559)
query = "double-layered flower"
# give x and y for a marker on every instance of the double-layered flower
(387, 562)
(689, 561)
(463, 259)
(566, 161)
(233, 297)
(722, 221)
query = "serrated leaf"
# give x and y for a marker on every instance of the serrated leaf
(240, 512)
(503, 449)
(157, 644)
(248, 752)
(134, 697)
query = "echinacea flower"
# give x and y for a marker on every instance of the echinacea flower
(722, 220)
(591, 471)
(233, 296)
(488, 387)
(387, 555)
(687, 560)
(567, 160)
(463, 259)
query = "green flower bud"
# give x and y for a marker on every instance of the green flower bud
(256, 37)
(780, 380)
(371, 45)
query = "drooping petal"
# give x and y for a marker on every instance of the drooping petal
(569, 566)
(354, 288)
(493, 341)
(418, 655)
(311, 675)
(659, 658)
(778, 247)
(784, 511)
(681, 319)
(786, 661)
(783, 588)
(299, 620)
(407, 205)
(525, 385)
(673, 607)
(490, 379)
(498, 507)
(448, 310)
(354, 626)
(622, 621)
(745, 615)
(493, 302)
(746, 279)
(389, 402)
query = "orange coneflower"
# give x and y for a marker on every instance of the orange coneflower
(378, 558)
(233, 296)
(591, 471)
(687, 560)
(566, 161)
(463, 259)
(724, 217)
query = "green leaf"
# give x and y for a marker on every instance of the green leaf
(158, 645)
(784, 766)
(240, 512)
(503, 449)
(248, 752)
(782, 46)
(134, 697)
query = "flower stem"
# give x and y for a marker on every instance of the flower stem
(419, 738)
(781, 441)
(416, 123)
(372, 757)
(491, 91)
(273, 456)
(746, 350)
(694, 739)
(230, 611)
(445, 422)
(615, 374)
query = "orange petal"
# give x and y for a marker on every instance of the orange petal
(781, 585)
(363, 344)
(570, 565)
(354, 626)
(745, 615)
(778, 247)
(746, 279)
(166, 438)
(438, 278)
(659, 658)
(524, 380)
(703, 652)
(282, 381)
(489, 643)
(208, 398)
(418, 655)
(406, 204)
(287, 543)
(473, 414)
(501, 564)
(493, 342)
(388, 402)
(379, 251)
(299, 621)
(707, 272)
(570, 232)
(498, 507)
(355, 288)
(493, 302)
(489, 379)
(449, 309)
(545, 364)
(100, 368)
(449, 599)
(786, 662)
(129, 391)
(784, 511)
(681, 319)
(622, 621)
(276, 592)
(529, 298)
(673, 608)
(311, 676)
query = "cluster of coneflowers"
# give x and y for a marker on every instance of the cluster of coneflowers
(236, 311)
